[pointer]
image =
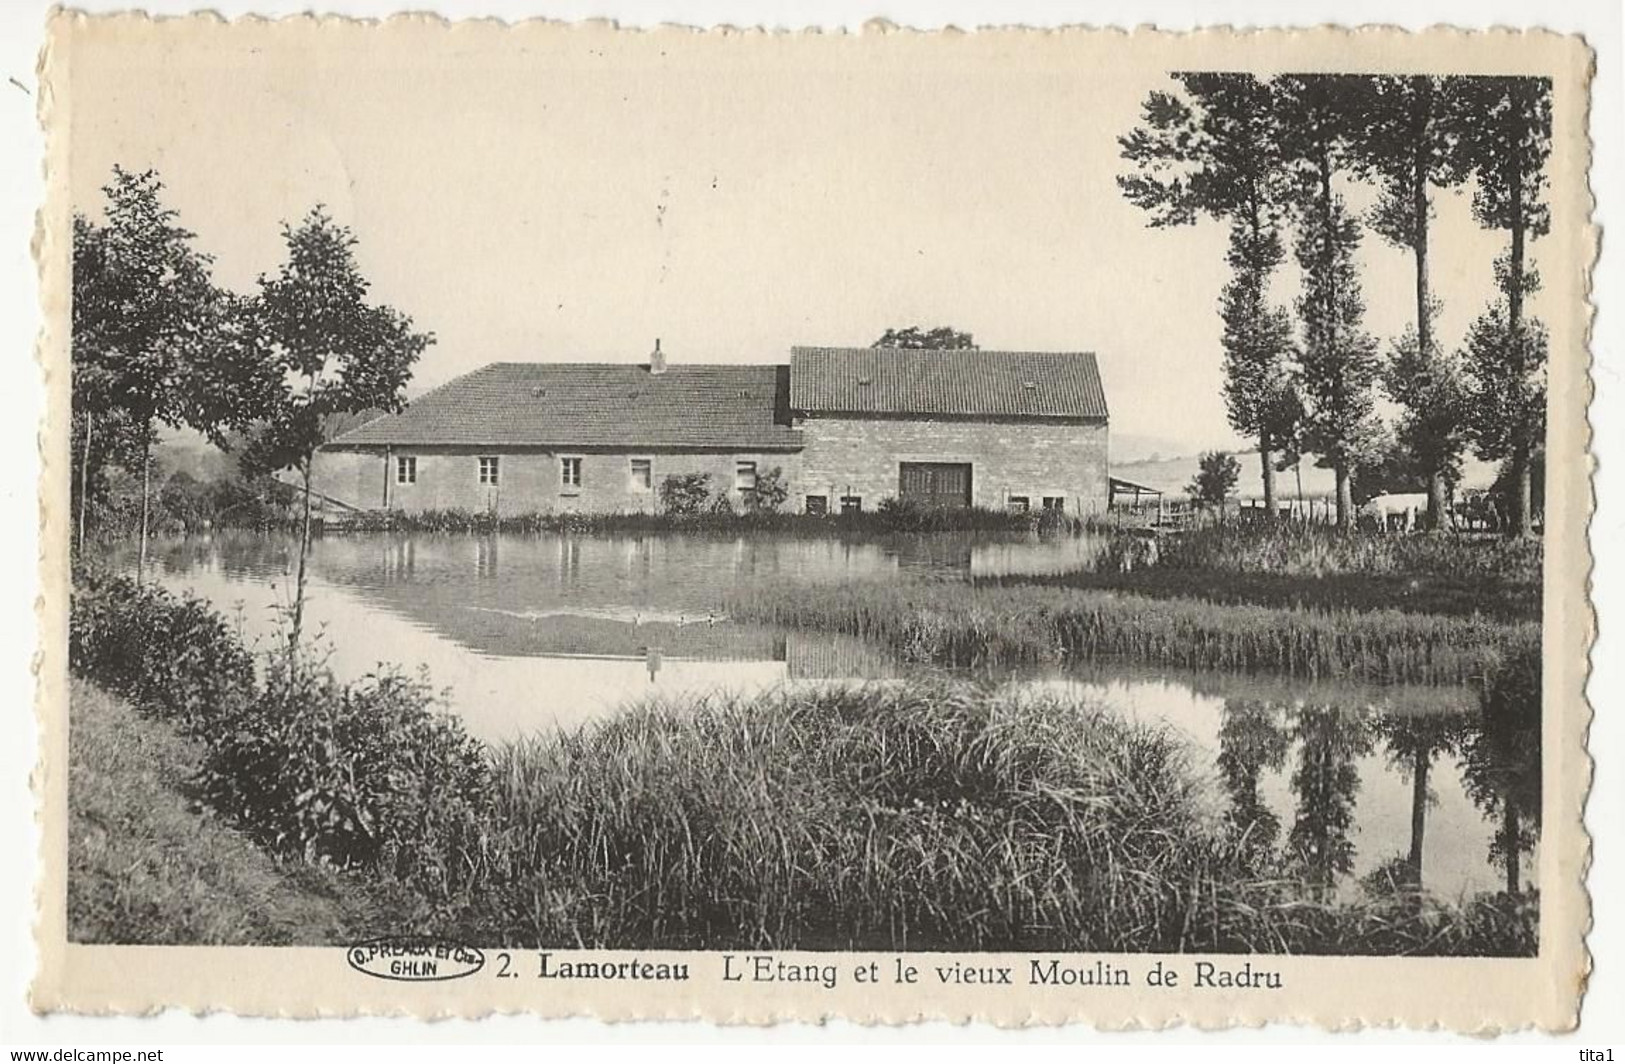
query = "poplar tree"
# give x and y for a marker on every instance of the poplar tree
(1407, 140)
(1219, 155)
(1506, 136)
(1337, 358)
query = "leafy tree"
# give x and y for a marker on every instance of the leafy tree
(1506, 140)
(1409, 141)
(145, 317)
(1219, 155)
(916, 338)
(1338, 359)
(1215, 478)
(325, 353)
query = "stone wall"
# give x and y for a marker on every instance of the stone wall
(860, 456)
(527, 481)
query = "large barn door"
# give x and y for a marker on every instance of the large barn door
(943, 484)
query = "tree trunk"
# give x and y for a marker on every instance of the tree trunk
(1266, 461)
(1345, 496)
(1523, 500)
(1509, 843)
(146, 490)
(1419, 808)
(1438, 502)
(84, 475)
(299, 582)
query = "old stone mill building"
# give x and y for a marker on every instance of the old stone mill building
(846, 428)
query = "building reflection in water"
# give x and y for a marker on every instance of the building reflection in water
(485, 557)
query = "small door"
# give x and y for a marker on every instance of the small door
(941, 484)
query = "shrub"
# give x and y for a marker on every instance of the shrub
(363, 774)
(171, 655)
(685, 493)
(770, 492)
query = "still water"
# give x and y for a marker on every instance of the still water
(550, 631)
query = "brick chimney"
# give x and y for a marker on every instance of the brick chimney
(657, 360)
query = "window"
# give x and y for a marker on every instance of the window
(745, 476)
(488, 469)
(1054, 502)
(406, 469)
(851, 504)
(643, 474)
(1020, 504)
(818, 505)
(569, 473)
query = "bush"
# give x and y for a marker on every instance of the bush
(685, 493)
(770, 493)
(172, 656)
(364, 774)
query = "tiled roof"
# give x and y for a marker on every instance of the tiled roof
(865, 380)
(586, 404)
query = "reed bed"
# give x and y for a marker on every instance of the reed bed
(961, 627)
(904, 817)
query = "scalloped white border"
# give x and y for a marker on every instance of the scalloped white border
(1577, 389)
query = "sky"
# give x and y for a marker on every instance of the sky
(568, 195)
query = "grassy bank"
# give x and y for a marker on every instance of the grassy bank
(1300, 566)
(1309, 550)
(1339, 592)
(885, 817)
(148, 863)
(954, 626)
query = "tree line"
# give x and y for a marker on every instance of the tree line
(264, 375)
(1269, 158)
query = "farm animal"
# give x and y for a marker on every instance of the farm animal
(1397, 512)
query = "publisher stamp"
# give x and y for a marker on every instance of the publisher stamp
(1079, 526)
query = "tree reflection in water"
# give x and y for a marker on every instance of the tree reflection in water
(1414, 742)
(1252, 740)
(1501, 760)
(1326, 782)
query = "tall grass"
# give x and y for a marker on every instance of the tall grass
(956, 626)
(904, 817)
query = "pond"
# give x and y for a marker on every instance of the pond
(555, 630)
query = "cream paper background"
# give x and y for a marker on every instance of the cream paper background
(1472, 995)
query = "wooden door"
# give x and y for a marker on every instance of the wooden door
(935, 484)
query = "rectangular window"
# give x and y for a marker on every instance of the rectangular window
(745, 476)
(489, 469)
(406, 469)
(851, 504)
(643, 474)
(1020, 504)
(818, 505)
(1054, 502)
(569, 473)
